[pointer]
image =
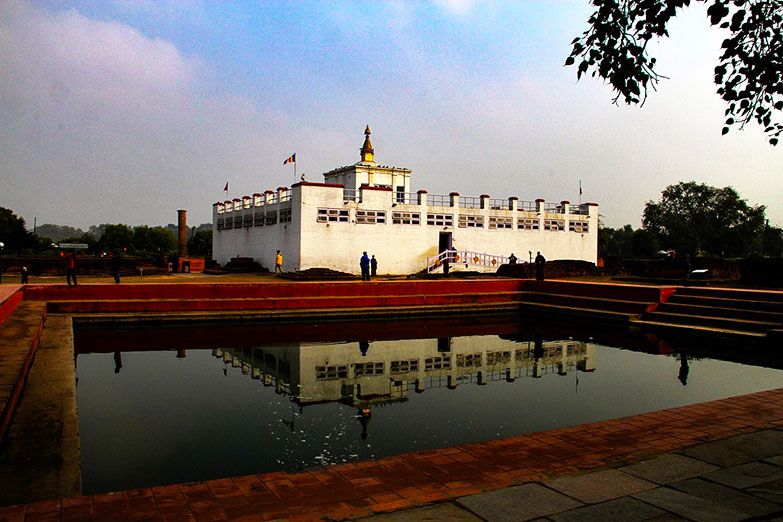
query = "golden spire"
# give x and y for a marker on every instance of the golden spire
(367, 150)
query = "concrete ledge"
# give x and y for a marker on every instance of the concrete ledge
(19, 338)
(10, 297)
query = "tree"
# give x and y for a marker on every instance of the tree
(13, 231)
(697, 218)
(201, 243)
(749, 75)
(116, 238)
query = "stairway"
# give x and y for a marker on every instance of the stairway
(731, 313)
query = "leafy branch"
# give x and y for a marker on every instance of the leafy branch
(749, 75)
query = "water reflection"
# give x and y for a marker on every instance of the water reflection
(318, 373)
(193, 403)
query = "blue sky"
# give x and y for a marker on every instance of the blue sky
(125, 111)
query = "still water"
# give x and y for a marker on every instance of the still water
(184, 404)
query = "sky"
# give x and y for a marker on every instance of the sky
(123, 111)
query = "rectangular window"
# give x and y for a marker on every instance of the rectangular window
(229, 224)
(248, 220)
(332, 215)
(527, 224)
(410, 365)
(406, 218)
(578, 226)
(500, 222)
(368, 369)
(330, 373)
(401, 194)
(468, 360)
(370, 217)
(258, 219)
(469, 221)
(285, 215)
(498, 357)
(271, 218)
(440, 220)
(237, 222)
(438, 363)
(554, 225)
(220, 224)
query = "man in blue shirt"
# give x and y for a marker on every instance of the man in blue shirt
(364, 262)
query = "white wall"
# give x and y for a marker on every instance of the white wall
(399, 248)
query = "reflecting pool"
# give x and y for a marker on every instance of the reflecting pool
(169, 405)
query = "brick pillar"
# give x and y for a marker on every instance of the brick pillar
(182, 229)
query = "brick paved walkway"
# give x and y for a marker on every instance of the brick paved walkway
(415, 479)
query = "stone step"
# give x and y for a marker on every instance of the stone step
(726, 302)
(589, 302)
(281, 303)
(729, 293)
(720, 311)
(727, 323)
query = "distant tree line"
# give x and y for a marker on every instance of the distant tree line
(141, 240)
(698, 220)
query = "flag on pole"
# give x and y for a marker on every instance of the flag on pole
(291, 159)
(226, 187)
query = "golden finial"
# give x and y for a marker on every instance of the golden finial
(367, 152)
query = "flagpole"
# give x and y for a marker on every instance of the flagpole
(580, 191)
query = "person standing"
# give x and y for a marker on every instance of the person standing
(373, 266)
(279, 263)
(70, 268)
(24, 275)
(116, 265)
(540, 262)
(512, 259)
(364, 263)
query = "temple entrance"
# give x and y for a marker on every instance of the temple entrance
(444, 245)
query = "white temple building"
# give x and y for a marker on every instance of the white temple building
(370, 207)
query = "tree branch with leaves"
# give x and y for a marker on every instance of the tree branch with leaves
(749, 75)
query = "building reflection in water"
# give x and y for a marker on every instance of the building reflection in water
(385, 372)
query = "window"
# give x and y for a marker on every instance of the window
(438, 363)
(368, 369)
(410, 365)
(578, 226)
(285, 215)
(229, 224)
(237, 222)
(527, 224)
(258, 219)
(468, 221)
(468, 360)
(248, 220)
(499, 222)
(271, 218)
(332, 215)
(220, 224)
(370, 217)
(330, 373)
(498, 357)
(400, 194)
(554, 225)
(440, 220)
(405, 218)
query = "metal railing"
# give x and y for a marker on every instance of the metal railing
(438, 200)
(499, 204)
(352, 195)
(467, 258)
(527, 206)
(469, 202)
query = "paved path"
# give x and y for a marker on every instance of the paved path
(734, 479)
